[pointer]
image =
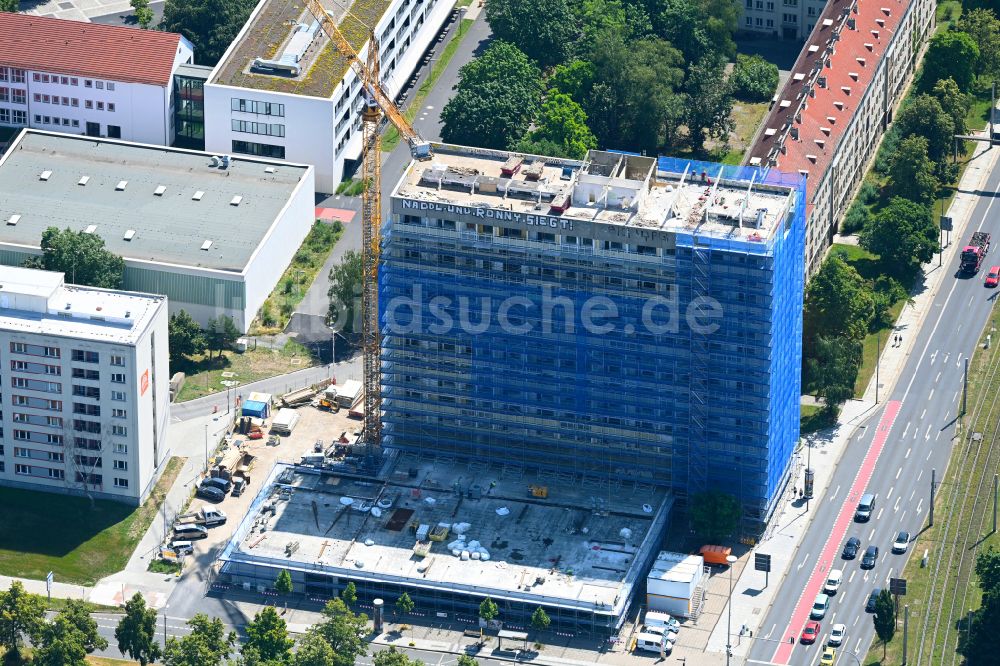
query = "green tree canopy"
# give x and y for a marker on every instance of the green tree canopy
(983, 642)
(143, 14)
(343, 631)
(9, 5)
(884, 618)
(903, 234)
(754, 79)
(838, 301)
(988, 569)
(714, 515)
(833, 369)
(345, 293)
(136, 631)
(268, 635)
(404, 605)
(950, 54)
(709, 101)
(350, 593)
(185, 337)
(206, 645)
(953, 102)
(210, 25)
(393, 657)
(562, 128)
(542, 29)
(911, 172)
(540, 619)
(313, 650)
(61, 644)
(983, 27)
(598, 16)
(82, 258)
(925, 117)
(488, 609)
(221, 333)
(467, 660)
(574, 78)
(496, 96)
(22, 614)
(77, 613)
(697, 27)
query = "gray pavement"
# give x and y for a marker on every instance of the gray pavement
(127, 16)
(890, 451)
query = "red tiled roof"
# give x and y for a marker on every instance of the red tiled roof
(87, 49)
(826, 115)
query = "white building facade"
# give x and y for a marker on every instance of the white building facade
(85, 395)
(108, 81)
(248, 112)
(788, 19)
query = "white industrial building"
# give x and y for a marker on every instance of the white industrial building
(85, 403)
(89, 78)
(213, 235)
(676, 584)
(282, 91)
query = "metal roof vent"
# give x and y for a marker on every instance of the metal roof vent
(270, 170)
(160, 189)
(120, 187)
(811, 158)
(91, 228)
(129, 235)
(45, 175)
(207, 244)
(13, 220)
(794, 132)
(83, 180)
(235, 201)
(198, 195)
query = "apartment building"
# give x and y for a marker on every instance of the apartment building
(282, 90)
(826, 121)
(787, 19)
(493, 267)
(84, 405)
(89, 78)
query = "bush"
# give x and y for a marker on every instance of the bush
(868, 193)
(754, 79)
(858, 215)
(887, 152)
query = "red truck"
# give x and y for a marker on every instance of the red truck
(974, 253)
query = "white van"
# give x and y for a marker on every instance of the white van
(658, 619)
(189, 532)
(833, 581)
(819, 607)
(653, 643)
(669, 632)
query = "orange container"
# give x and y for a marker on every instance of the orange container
(715, 554)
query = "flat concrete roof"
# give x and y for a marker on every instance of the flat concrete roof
(574, 548)
(607, 187)
(170, 227)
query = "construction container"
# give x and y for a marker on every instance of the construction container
(673, 582)
(285, 421)
(716, 554)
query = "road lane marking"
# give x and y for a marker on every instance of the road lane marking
(923, 414)
(903, 517)
(929, 454)
(907, 454)
(920, 475)
(851, 579)
(905, 430)
(832, 497)
(889, 494)
(958, 361)
(895, 507)
(912, 494)
(927, 435)
(954, 398)
(930, 396)
(899, 471)
(936, 379)
(871, 536)
(937, 436)
(804, 560)
(934, 356)
(920, 504)
(879, 516)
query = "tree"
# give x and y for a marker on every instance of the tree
(714, 514)
(350, 593)
(143, 14)
(542, 29)
(950, 54)
(313, 650)
(988, 569)
(283, 585)
(598, 16)
(61, 644)
(574, 78)
(221, 333)
(563, 124)
(983, 27)
(343, 631)
(77, 614)
(466, 660)
(833, 369)
(754, 79)
(488, 610)
(185, 337)
(884, 618)
(268, 635)
(983, 642)
(697, 27)
(392, 657)
(911, 172)
(345, 292)
(838, 301)
(9, 5)
(404, 605)
(21, 614)
(924, 117)
(496, 96)
(903, 234)
(206, 645)
(82, 257)
(953, 102)
(710, 102)
(136, 631)
(540, 619)
(211, 25)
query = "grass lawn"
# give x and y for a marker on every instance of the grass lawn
(296, 279)
(813, 418)
(391, 138)
(105, 661)
(204, 374)
(80, 543)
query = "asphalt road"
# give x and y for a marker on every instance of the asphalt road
(904, 439)
(127, 18)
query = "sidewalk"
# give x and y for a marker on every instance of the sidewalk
(750, 603)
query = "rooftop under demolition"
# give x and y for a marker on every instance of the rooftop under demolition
(460, 527)
(608, 187)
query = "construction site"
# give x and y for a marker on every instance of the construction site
(451, 533)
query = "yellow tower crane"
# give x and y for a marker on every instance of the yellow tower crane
(377, 101)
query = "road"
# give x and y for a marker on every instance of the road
(127, 17)
(892, 455)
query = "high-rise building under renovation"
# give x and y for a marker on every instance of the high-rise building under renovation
(621, 317)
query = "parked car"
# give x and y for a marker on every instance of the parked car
(210, 493)
(901, 543)
(837, 632)
(870, 604)
(851, 548)
(660, 630)
(869, 558)
(189, 532)
(225, 485)
(809, 633)
(829, 656)
(993, 277)
(181, 547)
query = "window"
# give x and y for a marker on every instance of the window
(19, 117)
(46, 99)
(18, 96)
(5, 116)
(65, 101)
(114, 132)
(64, 80)
(36, 77)
(87, 444)
(119, 430)
(74, 81)
(87, 83)
(45, 78)
(75, 102)
(47, 120)
(99, 85)
(118, 360)
(759, 22)
(118, 395)
(118, 377)
(37, 97)
(118, 413)
(259, 149)
(111, 86)
(111, 106)
(770, 23)
(4, 74)
(38, 118)
(23, 470)
(76, 123)
(87, 409)
(121, 448)
(92, 375)
(82, 356)
(65, 122)
(121, 464)
(770, 6)
(250, 127)
(88, 104)
(261, 108)
(100, 106)
(79, 425)
(17, 75)
(121, 483)
(4, 94)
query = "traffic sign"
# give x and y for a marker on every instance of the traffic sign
(897, 586)
(946, 223)
(762, 562)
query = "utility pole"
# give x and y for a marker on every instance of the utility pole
(965, 386)
(906, 629)
(941, 230)
(993, 106)
(878, 358)
(996, 480)
(933, 473)
(206, 448)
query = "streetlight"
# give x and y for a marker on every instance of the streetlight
(731, 559)
(165, 626)
(206, 448)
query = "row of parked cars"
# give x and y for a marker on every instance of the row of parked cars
(658, 633)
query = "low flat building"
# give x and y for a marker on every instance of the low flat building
(89, 78)
(214, 236)
(283, 91)
(86, 387)
(451, 534)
